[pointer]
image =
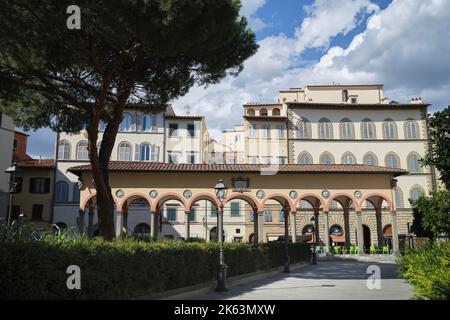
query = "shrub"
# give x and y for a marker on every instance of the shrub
(124, 268)
(428, 270)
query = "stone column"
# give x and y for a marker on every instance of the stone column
(255, 227)
(153, 224)
(347, 226)
(187, 225)
(359, 232)
(119, 223)
(81, 226)
(395, 244)
(316, 226)
(261, 226)
(293, 222)
(327, 232)
(379, 227)
(125, 221)
(91, 222)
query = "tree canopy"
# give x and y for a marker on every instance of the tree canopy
(126, 51)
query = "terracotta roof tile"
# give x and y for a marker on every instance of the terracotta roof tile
(285, 168)
(37, 163)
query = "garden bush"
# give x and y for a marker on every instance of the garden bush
(36, 269)
(428, 270)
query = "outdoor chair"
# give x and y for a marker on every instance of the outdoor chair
(344, 250)
(385, 250)
(336, 250)
(373, 249)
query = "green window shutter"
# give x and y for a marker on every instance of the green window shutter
(213, 210)
(171, 214)
(192, 215)
(235, 209)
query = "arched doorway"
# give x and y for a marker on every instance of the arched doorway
(308, 233)
(367, 238)
(251, 238)
(142, 231)
(387, 236)
(336, 235)
(214, 235)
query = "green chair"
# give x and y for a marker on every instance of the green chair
(352, 249)
(385, 250)
(344, 250)
(336, 250)
(373, 249)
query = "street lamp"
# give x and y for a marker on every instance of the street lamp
(286, 240)
(13, 170)
(221, 194)
(314, 260)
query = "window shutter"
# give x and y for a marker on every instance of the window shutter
(157, 154)
(154, 122)
(32, 184)
(47, 185)
(136, 152)
(153, 153)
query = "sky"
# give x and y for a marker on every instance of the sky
(403, 44)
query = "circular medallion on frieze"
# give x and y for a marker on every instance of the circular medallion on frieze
(293, 194)
(187, 194)
(358, 194)
(260, 194)
(326, 194)
(120, 193)
(153, 194)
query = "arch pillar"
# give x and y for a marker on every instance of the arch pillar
(260, 226)
(125, 221)
(347, 226)
(293, 223)
(81, 225)
(395, 244)
(327, 232)
(91, 222)
(119, 223)
(187, 225)
(316, 226)
(153, 224)
(379, 226)
(359, 232)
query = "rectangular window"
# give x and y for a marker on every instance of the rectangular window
(37, 210)
(191, 157)
(280, 131)
(281, 216)
(265, 132)
(240, 183)
(237, 138)
(173, 157)
(267, 216)
(213, 211)
(252, 131)
(191, 130)
(235, 209)
(192, 215)
(171, 214)
(252, 159)
(18, 184)
(266, 160)
(173, 130)
(281, 160)
(39, 185)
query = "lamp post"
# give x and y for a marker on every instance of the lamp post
(314, 259)
(286, 240)
(221, 194)
(13, 170)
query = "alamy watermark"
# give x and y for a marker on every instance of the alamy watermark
(74, 280)
(374, 280)
(73, 22)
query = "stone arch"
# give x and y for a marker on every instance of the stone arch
(376, 200)
(133, 196)
(280, 198)
(305, 158)
(417, 156)
(397, 160)
(203, 196)
(366, 158)
(348, 154)
(156, 205)
(343, 198)
(92, 196)
(326, 154)
(245, 197)
(315, 200)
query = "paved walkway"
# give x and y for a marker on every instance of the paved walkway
(330, 279)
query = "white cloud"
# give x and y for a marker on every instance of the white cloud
(249, 9)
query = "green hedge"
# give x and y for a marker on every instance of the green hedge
(125, 269)
(428, 270)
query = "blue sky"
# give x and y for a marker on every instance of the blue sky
(401, 43)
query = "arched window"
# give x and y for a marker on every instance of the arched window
(344, 95)
(276, 112)
(389, 129)
(326, 158)
(146, 123)
(76, 193)
(348, 158)
(347, 130)
(126, 124)
(64, 150)
(392, 160)
(325, 129)
(61, 191)
(304, 129)
(124, 152)
(416, 192)
(370, 159)
(305, 158)
(251, 112)
(82, 151)
(142, 230)
(398, 197)
(368, 129)
(308, 229)
(145, 152)
(413, 163)
(263, 113)
(411, 129)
